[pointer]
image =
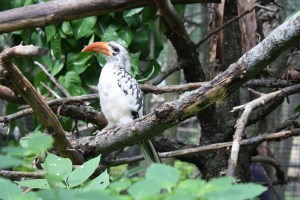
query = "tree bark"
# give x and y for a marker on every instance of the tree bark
(56, 11)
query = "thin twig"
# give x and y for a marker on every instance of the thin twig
(50, 90)
(58, 85)
(198, 44)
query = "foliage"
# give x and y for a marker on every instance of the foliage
(63, 181)
(138, 29)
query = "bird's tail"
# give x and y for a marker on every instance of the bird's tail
(149, 152)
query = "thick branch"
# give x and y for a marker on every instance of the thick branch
(22, 86)
(171, 113)
(58, 11)
(177, 34)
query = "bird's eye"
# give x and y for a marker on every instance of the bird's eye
(115, 49)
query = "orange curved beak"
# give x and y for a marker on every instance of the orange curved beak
(99, 47)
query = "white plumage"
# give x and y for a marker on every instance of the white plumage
(121, 99)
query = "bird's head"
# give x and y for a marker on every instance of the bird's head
(112, 51)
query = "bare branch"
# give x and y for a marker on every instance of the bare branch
(8, 95)
(58, 85)
(171, 88)
(164, 74)
(13, 174)
(268, 83)
(70, 107)
(279, 136)
(242, 121)
(58, 11)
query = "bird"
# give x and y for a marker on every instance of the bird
(121, 99)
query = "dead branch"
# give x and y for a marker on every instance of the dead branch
(181, 153)
(58, 11)
(268, 83)
(242, 121)
(56, 83)
(12, 174)
(23, 87)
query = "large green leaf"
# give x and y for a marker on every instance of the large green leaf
(8, 161)
(144, 189)
(237, 192)
(36, 143)
(57, 166)
(82, 173)
(72, 82)
(99, 183)
(120, 185)
(78, 62)
(57, 66)
(83, 27)
(170, 175)
(50, 32)
(9, 190)
(34, 183)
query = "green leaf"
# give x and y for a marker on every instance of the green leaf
(99, 183)
(180, 195)
(195, 187)
(66, 28)
(63, 194)
(78, 62)
(237, 192)
(170, 175)
(55, 44)
(143, 189)
(72, 82)
(132, 17)
(8, 161)
(126, 36)
(82, 173)
(84, 27)
(56, 67)
(130, 13)
(35, 183)
(120, 185)
(50, 32)
(57, 166)
(8, 189)
(36, 143)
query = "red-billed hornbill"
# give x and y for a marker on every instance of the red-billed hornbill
(121, 98)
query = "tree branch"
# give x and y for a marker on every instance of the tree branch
(23, 87)
(172, 113)
(177, 34)
(58, 11)
(242, 121)
(268, 83)
(181, 154)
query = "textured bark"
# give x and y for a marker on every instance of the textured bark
(58, 11)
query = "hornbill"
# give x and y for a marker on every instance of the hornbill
(121, 98)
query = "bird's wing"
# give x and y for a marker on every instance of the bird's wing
(131, 89)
